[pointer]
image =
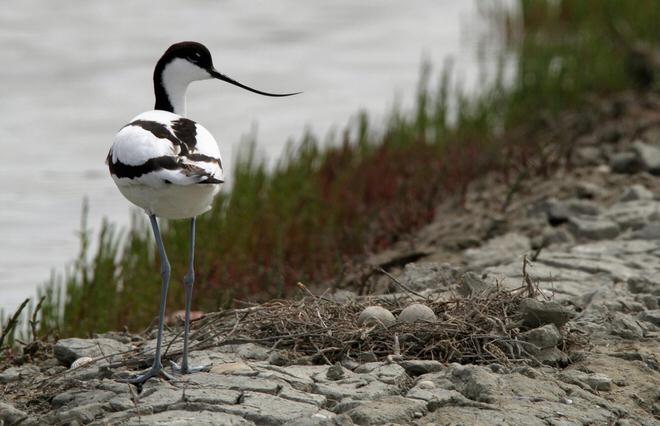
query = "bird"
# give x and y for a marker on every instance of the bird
(170, 166)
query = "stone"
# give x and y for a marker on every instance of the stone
(471, 284)
(416, 312)
(498, 250)
(593, 228)
(238, 367)
(632, 214)
(184, 418)
(625, 326)
(417, 367)
(335, 372)
(265, 409)
(648, 156)
(11, 415)
(589, 190)
(649, 231)
(278, 358)
(552, 356)
(588, 156)
(595, 381)
(429, 275)
(652, 316)
(546, 336)
(249, 351)
(636, 192)
(69, 350)
(375, 315)
(13, 374)
(393, 374)
(536, 313)
(387, 410)
(321, 420)
(363, 387)
(474, 382)
(625, 163)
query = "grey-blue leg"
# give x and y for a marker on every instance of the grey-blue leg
(157, 367)
(188, 282)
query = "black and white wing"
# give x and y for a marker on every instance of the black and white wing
(159, 148)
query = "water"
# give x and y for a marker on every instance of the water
(74, 72)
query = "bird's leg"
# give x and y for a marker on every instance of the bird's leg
(156, 369)
(188, 281)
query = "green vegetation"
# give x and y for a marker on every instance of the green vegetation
(321, 209)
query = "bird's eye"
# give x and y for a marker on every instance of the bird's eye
(198, 55)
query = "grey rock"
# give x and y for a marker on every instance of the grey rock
(429, 275)
(498, 250)
(387, 373)
(593, 228)
(536, 313)
(438, 397)
(636, 192)
(419, 366)
(632, 214)
(588, 156)
(376, 315)
(265, 409)
(648, 156)
(249, 351)
(637, 284)
(321, 420)
(68, 350)
(81, 397)
(546, 336)
(593, 381)
(625, 326)
(185, 418)
(305, 397)
(13, 374)
(79, 415)
(335, 372)
(652, 316)
(589, 190)
(389, 409)
(235, 383)
(363, 387)
(278, 358)
(416, 312)
(626, 162)
(343, 296)
(474, 382)
(11, 415)
(649, 231)
(471, 284)
(552, 356)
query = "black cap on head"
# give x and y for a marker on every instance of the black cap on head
(192, 51)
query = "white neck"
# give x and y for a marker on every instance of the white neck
(175, 80)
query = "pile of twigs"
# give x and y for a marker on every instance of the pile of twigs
(316, 329)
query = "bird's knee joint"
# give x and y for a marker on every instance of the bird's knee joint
(189, 279)
(165, 271)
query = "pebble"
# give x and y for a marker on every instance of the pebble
(373, 315)
(417, 312)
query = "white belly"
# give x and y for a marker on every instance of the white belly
(172, 201)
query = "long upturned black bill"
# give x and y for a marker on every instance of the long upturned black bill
(223, 77)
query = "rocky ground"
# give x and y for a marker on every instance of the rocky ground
(591, 234)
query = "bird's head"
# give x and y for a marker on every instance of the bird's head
(188, 61)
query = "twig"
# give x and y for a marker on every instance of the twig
(399, 283)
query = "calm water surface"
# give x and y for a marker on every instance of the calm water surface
(73, 72)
